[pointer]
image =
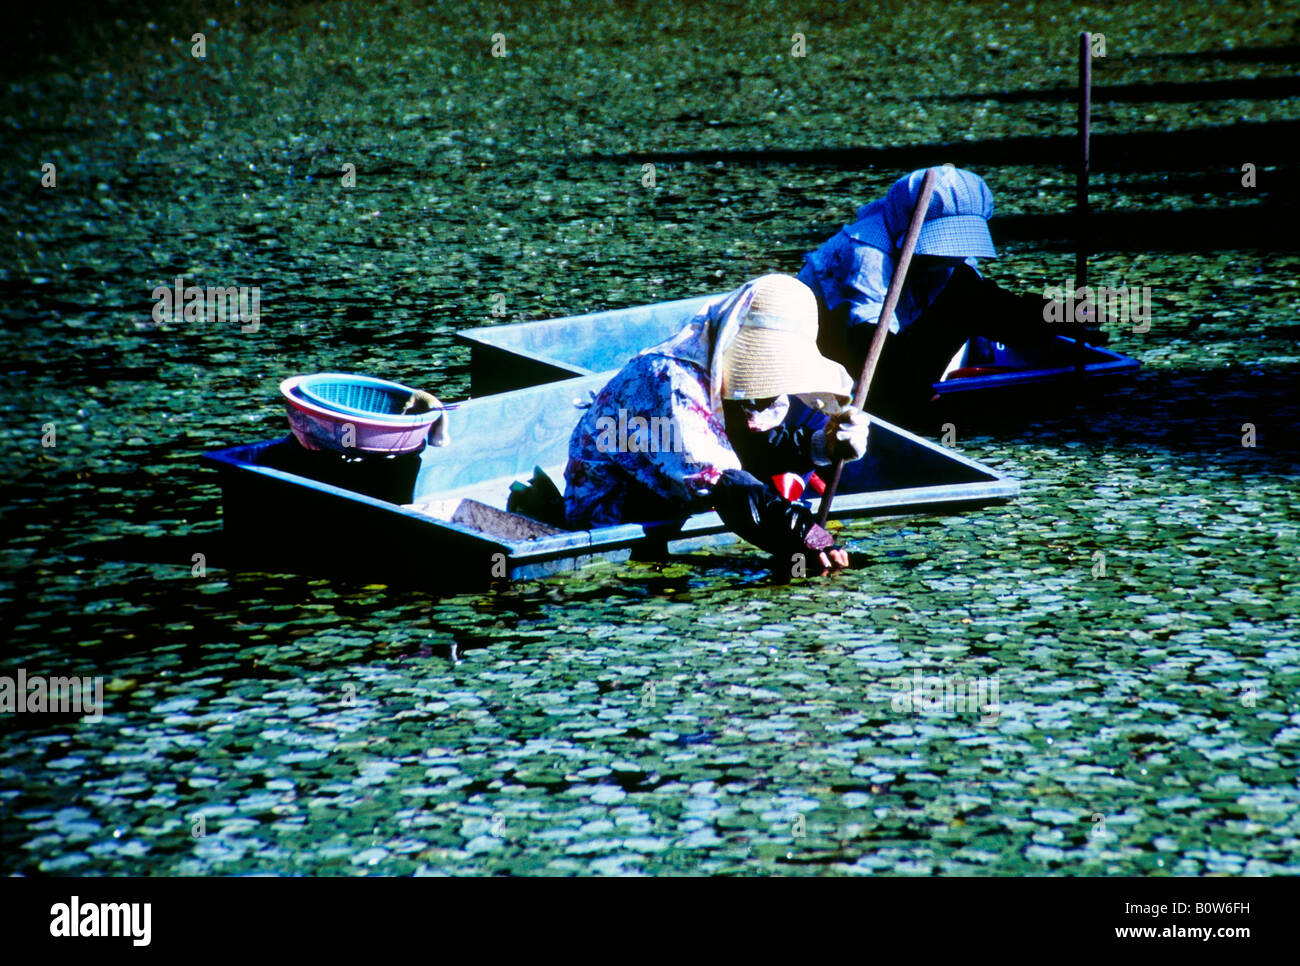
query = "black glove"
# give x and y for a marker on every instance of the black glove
(762, 516)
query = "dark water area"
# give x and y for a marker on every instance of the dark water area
(1137, 607)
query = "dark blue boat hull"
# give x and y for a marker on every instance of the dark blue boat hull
(404, 518)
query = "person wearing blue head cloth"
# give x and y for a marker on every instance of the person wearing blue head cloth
(945, 302)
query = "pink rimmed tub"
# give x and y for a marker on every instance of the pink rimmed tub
(350, 429)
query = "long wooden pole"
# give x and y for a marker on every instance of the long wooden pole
(882, 325)
(1081, 185)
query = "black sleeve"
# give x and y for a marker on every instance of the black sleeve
(785, 449)
(1014, 318)
(759, 514)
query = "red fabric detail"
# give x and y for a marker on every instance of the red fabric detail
(789, 485)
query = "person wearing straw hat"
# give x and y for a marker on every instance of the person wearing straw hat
(945, 302)
(700, 420)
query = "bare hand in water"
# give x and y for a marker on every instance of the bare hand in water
(833, 558)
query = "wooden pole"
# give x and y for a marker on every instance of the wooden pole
(882, 324)
(1081, 184)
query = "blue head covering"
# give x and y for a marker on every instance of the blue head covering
(956, 223)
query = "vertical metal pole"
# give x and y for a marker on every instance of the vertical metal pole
(1081, 185)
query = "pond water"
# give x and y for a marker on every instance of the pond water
(1137, 608)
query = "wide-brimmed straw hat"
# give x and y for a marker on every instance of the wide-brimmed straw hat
(774, 353)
